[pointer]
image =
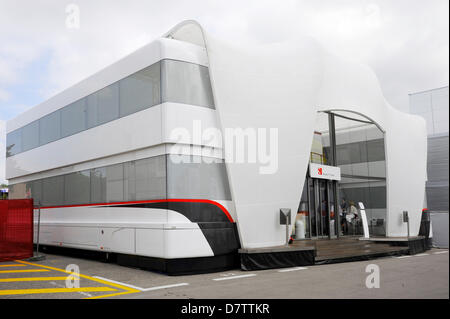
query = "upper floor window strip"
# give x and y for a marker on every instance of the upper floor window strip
(164, 81)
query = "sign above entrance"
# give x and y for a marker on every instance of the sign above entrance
(324, 171)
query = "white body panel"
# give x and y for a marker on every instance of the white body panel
(147, 133)
(136, 231)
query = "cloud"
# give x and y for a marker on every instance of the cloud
(404, 41)
(4, 95)
(396, 38)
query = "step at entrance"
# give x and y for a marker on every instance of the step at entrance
(325, 251)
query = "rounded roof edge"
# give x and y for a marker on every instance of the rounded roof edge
(187, 30)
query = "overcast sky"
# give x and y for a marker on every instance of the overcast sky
(404, 41)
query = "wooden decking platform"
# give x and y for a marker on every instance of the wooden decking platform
(393, 239)
(415, 244)
(350, 249)
(327, 251)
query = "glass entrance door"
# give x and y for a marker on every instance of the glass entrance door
(321, 208)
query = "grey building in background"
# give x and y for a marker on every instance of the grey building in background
(433, 106)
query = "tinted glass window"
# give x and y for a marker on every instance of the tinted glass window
(98, 185)
(30, 136)
(50, 128)
(114, 183)
(146, 179)
(107, 184)
(34, 190)
(53, 191)
(197, 179)
(77, 188)
(130, 181)
(73, 118)
(140, 90)
(92, 110)
(142, 180)
(14, 143)
(375, 150)
(37, 192)
(150, 181)
(187, 83)
(164, 81)
(17, 191)
(108, 103)
(360, 155)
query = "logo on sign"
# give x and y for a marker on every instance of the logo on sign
(324, 172)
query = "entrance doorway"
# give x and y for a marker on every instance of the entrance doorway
(316, 217)
(347, 166)
(321, 217)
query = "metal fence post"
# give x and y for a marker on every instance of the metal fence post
(37, 256)
(38, 227)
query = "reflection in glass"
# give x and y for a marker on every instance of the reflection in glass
(53, 191)
(108, 104)
(50, 128)
(77, 188)
(30, 136)
(196, 177)
(140, 90)
(73, 118)
(14, 143)
(186, 83)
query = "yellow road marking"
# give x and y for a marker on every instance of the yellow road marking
(17, 271)
(13, 265)
(128, 290)
(110, 295)
(52, 290)
(35, 279)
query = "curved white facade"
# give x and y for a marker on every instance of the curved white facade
(284, 85)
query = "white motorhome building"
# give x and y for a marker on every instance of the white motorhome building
(98, 157)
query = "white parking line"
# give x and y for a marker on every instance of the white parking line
(292, 269)
(143, 289)
(420, 255)
(406, 256)
(440, 252)
(234, 277)
(165, 287)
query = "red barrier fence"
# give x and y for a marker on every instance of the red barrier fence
(16, 229)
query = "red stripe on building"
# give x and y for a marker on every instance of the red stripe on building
(224, 210)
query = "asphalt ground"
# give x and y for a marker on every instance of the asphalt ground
(401, 277)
